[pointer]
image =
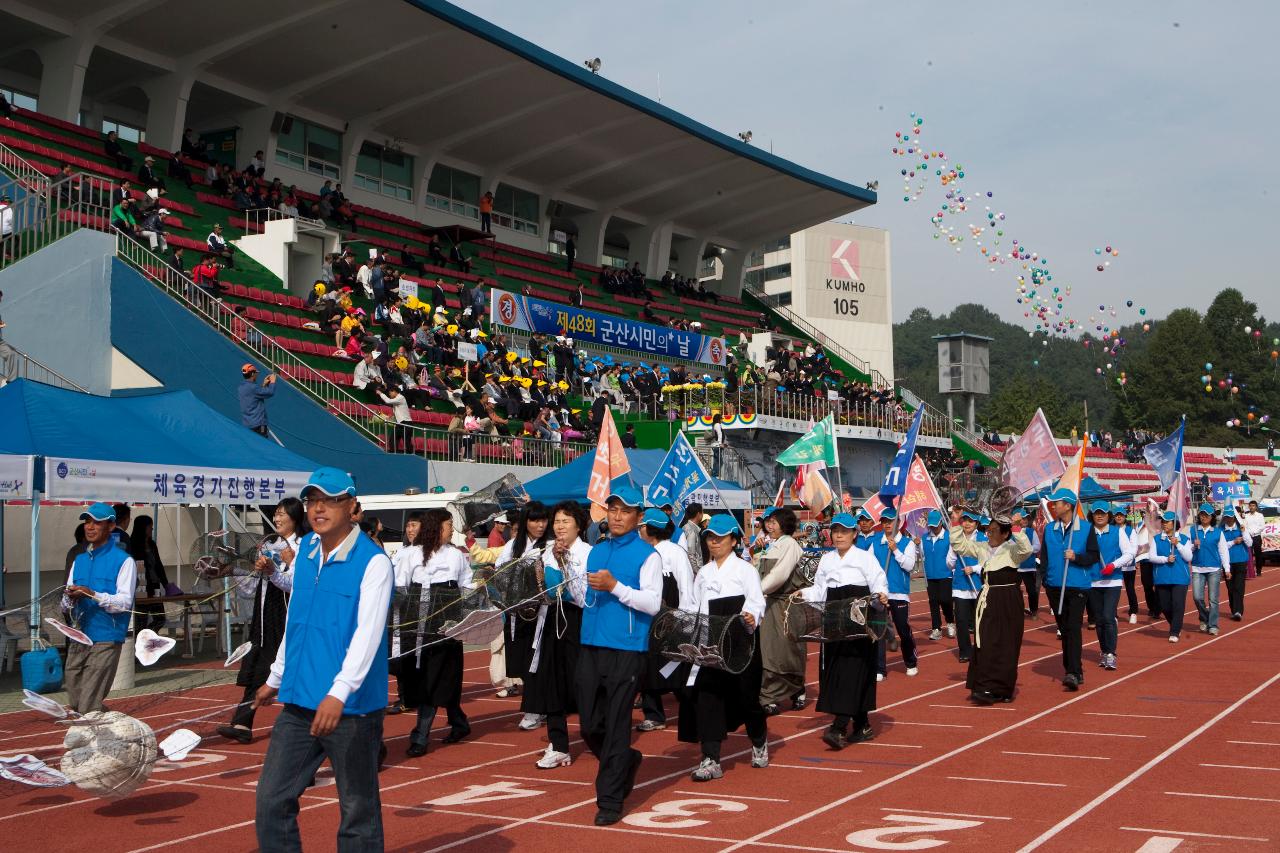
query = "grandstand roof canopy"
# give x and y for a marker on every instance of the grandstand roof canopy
(441, 81)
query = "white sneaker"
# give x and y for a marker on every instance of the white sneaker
(529, 722)
(1133, 618)
(913, 670)
(552, 759)
(760, 756)
(935, 634)
(1214, 630)
(951, 630)
(1173, 638)
(879, 676)
(709, 769)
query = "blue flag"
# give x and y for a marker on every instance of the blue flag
(895, 480)
(679, 476)
(1165, 456)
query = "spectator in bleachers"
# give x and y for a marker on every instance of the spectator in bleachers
(151, 199)
(6, 225)
(257, 166)
(434, 252)
(344, 269)
(486, 213)
(192, 146)
(220, 248)
(243, 199)
(122, 219)
(219, 182)
(411, 261)
(152, 227)
(253, 398)
(111, 145)
(6, 111)
(289, 206)
(364, 275)
(401, 436)
(177, 263)
(177, 169)
(457, 256)
(205, 275)
(570, 254)
(366, 373)
(147, 177)
(121, 191)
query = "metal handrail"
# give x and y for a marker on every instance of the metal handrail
(16, 364)
(23, 170)
(976, 441)
(255, 220)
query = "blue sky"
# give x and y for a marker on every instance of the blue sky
(1093, 123)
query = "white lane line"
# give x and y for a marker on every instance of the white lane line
(1220, 796)
(811, 767)
(976, 707)
(1055, 755)
(897, 777)
(1089, 806)
(1091, 734)
(1242, 767)
(541, 779)
(890, 745)
(1129, 716)
(933, 725)
(1253, 743)
(1194, 834)
(1264, 723)
(946, 814)
(720, 793)
(492, 743)
(1007, 781)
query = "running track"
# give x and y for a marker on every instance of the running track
(1177, 750)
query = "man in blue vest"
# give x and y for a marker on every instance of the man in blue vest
(896, 554)
(1069, 555)
(330, 673)
(624, 574)
(99, 596)
(939, 563)
(966, 583)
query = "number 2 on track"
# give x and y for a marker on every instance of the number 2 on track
(878, 837)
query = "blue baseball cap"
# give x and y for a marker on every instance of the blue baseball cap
(1099, 506)
(722, 525)
(847, 521)
(1206, 508)
(862, 513)
(768, 511)
(934, 518)
(331, 482)
(889, 514)
(1229, 511)
(656, 518)
(971, 515)
(98, 512)
(628, 494)
(984, 520)
(1064, 494)
(1168, 515)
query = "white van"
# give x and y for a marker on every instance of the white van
(392, 510)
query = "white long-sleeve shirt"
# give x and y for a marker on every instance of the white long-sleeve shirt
(735, 576)
(445, 565)
(574, 569)
(399, 406)
(1182, 544)
(371, 621)
(675, 562)
(854, 567)
(365, 373)
(1253, 523)
(1224, 547)
(126, 582)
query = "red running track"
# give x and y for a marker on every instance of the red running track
(1177, 750)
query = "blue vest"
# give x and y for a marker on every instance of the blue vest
(961, 581)
(1235, 539)
(1056, 541)
(1109, 551)
(863, 541)
(898, 579)
(1206, 556)
(99, 570)
(1033, 559)
(322, 621)
(1177, 573)
(606, 621)
(935, 556)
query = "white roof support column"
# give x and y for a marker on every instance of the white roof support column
(255, 135)
(730, 282)
(422, 166)
(591, 228)
(692, 249)
(352, 138)
(650, 246)
(167, 97)
(62, 81)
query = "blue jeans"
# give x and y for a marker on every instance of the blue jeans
(1105, 601)
(1202, 582)
(292, 760)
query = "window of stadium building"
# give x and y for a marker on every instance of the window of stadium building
(516, 209)
(454, 190)
(127, 132)
(309, 148)
(21, 100)
(384, 171)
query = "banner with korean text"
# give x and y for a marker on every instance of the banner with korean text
(17, 475)
(133, 482)
(553, 318)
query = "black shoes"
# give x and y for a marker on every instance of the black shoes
(863, 735)
(799, 702)
(416, 749)
(986, 697)
(456, 735)
(235, 733)
(1071, 682)
(835, 739)
(773, 709)
(604, 817)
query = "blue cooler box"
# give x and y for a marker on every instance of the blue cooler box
(42, 670)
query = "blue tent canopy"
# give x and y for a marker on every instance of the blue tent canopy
(1090, 490)
(570, 482)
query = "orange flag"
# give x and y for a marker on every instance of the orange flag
(1073, 477)
(610, 462)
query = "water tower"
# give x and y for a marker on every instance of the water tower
(964, 370)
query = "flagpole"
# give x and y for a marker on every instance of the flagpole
(835, 443)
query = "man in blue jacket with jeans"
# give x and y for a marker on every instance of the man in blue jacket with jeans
(330, 673)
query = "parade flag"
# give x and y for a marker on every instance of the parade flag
(873, 507)
(679, 476)
(811, 488)
(1165, 456)
(780, 500)
(816, 445)
(895, 480)
(1073, 476)
(1180, 498)
(921, 496)
(1032, 458)
(610, 462)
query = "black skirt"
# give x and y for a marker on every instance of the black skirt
(265, 633)
(847, 669)
(518, 642)
(551, 690)
(720, 702)
(653, 679)
(993, 665)
(432, 675)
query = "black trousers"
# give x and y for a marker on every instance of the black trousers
(607, 681)
(898, 612)
(940, 602)
(1131, 591)
(427, 715)
(651, 705)
(1257, 553)
(1154, 607)
(965, 610)
(1031, 584)
(243, 714)
(558, 731)
(1068, 618)
(1173, 602)
(757, 731)
(841, 723)
(1235, 587)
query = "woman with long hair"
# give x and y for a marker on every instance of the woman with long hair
(270, 607)
(532, 533)
(656, 528)
(784, 659)
(435, 573)
(549, 686)
(142, 547)
(412, 524)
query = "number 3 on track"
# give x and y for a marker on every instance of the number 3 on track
(878, 838)
(680, 814)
